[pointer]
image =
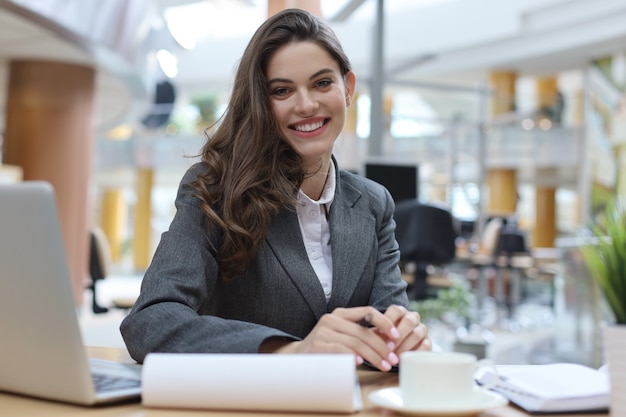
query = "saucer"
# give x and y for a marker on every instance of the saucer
(391, 398)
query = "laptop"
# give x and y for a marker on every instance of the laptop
(41, 348)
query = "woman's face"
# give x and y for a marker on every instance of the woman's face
(309, 97)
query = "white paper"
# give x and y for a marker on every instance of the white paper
(262, 382)
(555, 387)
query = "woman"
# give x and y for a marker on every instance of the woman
(273, 248)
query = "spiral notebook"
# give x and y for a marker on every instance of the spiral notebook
(551, 388)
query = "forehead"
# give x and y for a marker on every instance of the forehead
(303, 58)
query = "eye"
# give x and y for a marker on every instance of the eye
(326, 82)
(280, 92)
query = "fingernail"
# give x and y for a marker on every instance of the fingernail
(359, 360)
(393, 358)
(395, 333)
(391, 345)
(385, 365)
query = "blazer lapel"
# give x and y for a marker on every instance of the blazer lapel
(285, 241)
(351, 228)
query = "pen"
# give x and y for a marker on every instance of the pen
(365, 321)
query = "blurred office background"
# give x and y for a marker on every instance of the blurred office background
(510, 110)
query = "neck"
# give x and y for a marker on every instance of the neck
(313, 184)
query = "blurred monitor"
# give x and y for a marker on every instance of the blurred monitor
(401, 179)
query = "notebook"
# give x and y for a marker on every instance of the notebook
(551, 388)
(41, 349)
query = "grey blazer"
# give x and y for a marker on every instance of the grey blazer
(185, 307)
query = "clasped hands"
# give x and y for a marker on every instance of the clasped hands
(370, 335)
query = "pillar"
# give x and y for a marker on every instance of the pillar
(546, 91)
(113, 221)
(502, 181)
(578, 106)
(275, 6)
(503, 85)
(352, 116)
(387, 110)
(49, 134)
(545, 231)
(142, 253)
(439, 188)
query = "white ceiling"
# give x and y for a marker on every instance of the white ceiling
(462, 38)
(455, 42)
(27, 35)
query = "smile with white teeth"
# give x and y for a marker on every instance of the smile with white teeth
(309, 127)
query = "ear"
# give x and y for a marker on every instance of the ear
(350, 86)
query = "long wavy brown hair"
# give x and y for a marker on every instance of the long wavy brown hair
(251, 171)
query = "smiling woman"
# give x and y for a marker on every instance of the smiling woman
(274, 248)
(309, 95)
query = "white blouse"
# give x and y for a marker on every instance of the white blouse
(313, 219)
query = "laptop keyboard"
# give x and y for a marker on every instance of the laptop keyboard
(108, 383)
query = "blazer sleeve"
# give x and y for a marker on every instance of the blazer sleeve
(182, 276)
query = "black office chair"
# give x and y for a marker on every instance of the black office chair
(99, 257)
(511, 243)
(426, 235)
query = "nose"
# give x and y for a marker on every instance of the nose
(306, 104)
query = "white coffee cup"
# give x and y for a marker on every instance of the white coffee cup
(434, 379)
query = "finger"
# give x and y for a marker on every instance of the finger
(317, 345)
(426, 345)
(364, 341)
(395, 313)
(330, 336)
(417, 339)
(383, 362)
(407, 324)
(368, 317)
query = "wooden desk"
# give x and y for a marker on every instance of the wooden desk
(17, 406)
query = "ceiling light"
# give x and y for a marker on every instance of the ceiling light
(168, 62)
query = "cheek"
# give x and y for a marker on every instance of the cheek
(341, 100)
(274, 108)
(278, 109)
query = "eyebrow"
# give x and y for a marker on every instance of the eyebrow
(285, 80)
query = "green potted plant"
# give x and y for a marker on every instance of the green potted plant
(605, 257)
(452, 306)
